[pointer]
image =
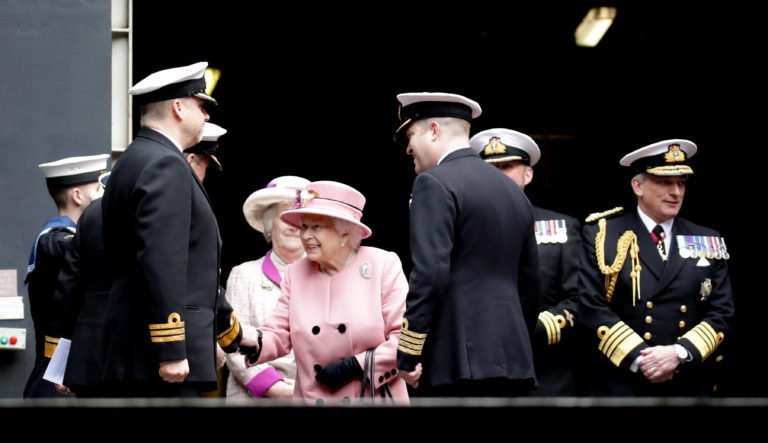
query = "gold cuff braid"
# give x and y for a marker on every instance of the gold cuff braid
(704, 337)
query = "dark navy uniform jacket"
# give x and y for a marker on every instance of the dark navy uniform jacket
(163, 244)
(46, 261)
(685, 301)
(474, 290)
(554, 342)
(84, 285)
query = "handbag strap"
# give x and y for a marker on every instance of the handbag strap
(386, 393)
(369, 370)
(369, 374)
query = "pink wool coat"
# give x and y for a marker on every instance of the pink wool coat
(325, 319)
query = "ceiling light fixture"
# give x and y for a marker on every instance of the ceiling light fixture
(211, 78)
(594, 25)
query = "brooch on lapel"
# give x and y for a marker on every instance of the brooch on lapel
(706, 289)
(365, 270)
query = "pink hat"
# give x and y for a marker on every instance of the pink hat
(332, 199)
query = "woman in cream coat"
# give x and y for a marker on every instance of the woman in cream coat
(337, 303)
(254, 287)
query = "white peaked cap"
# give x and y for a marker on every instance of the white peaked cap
(184, 81)
(74, 170)
(501, 145)
(212, 132)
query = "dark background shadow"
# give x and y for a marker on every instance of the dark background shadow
(317, 99)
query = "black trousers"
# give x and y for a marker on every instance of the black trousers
(150, 389)
(492, 387)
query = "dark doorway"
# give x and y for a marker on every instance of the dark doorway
(324, 107)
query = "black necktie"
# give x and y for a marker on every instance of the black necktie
(658, 237)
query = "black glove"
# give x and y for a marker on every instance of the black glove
(338, 373)
(252, 353)
(249, 352)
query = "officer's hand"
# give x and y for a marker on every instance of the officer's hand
(659, 363)
(174, 371)
(250, 336)
(61, 389)
(411, 378)
(336, 374)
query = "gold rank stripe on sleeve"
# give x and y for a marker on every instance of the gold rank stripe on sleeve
(552, 324)
(411, 342)
(50, 346)
(618, 341)
(167, 332)
(227, 337)
(704, 338)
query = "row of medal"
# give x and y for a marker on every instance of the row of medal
(699, 246)
(550, 231)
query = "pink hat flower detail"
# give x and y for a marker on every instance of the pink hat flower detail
(330, 199)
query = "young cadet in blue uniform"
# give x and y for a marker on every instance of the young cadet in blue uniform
(559, 239)
(474, 289)
(72, 183)
(165, 308)
(656, 295)
(82, 291)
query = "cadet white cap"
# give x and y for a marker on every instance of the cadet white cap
(209, 143)
(501, 145)
(185, 81)
(664, 158)
(212, 132)
(416, 106)
(74, 170)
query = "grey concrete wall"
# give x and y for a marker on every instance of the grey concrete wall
(55, 103)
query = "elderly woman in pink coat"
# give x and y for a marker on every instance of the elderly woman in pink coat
(341, 306)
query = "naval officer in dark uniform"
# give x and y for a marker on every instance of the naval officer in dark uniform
(73, 184)
(164, 315)
(656, 296)
(558, 237)
(84, 280)
(474, 289)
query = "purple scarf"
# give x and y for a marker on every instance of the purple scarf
(269, 269)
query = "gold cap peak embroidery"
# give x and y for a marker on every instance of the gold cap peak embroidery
(674, 154)
(494, 146)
